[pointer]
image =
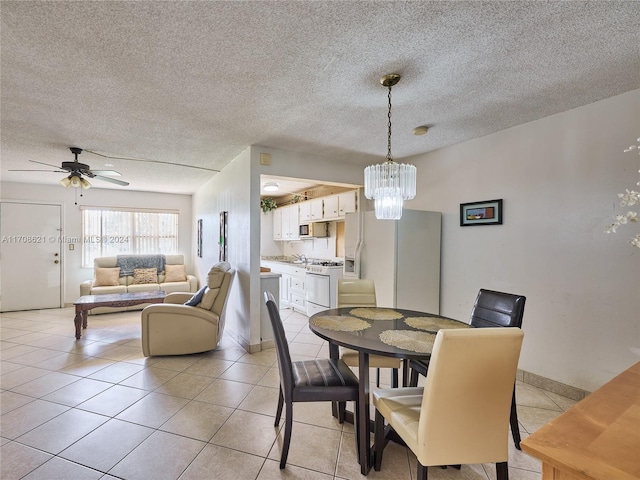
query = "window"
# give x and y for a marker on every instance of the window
(109, 232)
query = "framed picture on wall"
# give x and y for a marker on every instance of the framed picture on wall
(223, 242)
(199, 238)
(488, 212)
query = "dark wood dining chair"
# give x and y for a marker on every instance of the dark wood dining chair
(456, 418)
(319, 380)
(491, 309)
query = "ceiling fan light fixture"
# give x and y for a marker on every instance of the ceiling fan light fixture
(270, 187)
(65, 182)
(389, 184)
(85, 184)
(75, 181)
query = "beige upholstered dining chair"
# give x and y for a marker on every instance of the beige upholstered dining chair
(491, 309)
(462, 413)
(175, 328)
(362, 293)
(319, 380)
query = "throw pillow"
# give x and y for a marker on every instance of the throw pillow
(145, 275)
(175, 273)
(209, 297)
(107, 277)
(197, 297)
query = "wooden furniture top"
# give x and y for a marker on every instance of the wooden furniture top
(599, 437)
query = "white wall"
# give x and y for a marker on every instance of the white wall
(74, 273)
(559, 177)
(230, 190)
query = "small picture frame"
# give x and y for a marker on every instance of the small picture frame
(199, 238)
(224, 240)
(488, 212)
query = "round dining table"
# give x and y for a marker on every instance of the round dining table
(394, 332)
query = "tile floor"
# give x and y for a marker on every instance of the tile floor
(95, 408)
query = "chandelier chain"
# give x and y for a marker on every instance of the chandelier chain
(389, 157)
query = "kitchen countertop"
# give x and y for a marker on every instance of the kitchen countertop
(270, 275)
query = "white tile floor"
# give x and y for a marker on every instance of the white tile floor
(95, 408)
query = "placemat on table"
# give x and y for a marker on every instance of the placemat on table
(339, 323)
(376, 313)
(421, 342)
(433, 324)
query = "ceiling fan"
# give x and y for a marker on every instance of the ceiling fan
(77, 171)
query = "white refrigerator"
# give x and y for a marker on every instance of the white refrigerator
(401, 256)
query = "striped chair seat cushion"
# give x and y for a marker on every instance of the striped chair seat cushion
(314, 378)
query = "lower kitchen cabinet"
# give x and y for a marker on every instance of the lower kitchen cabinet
(296, 291)
(292, 292)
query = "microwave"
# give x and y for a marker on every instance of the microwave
(314, 230)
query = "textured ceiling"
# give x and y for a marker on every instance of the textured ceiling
(195, 83)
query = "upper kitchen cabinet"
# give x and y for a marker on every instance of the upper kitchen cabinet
(330, 207)
(347, 202)
(286, 225)
(316, 209)
(336, 206)
(305, 212)
(277, 224)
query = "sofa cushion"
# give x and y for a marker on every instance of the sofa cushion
(108, 290)
(143, 287)
(145, 275)
(107, 277)
(172, 287)
(197, 297)
(175, 273)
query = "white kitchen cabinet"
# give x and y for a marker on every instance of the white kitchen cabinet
(347, 202)
(285, 287)
(285, 223)
(297, 292)
(277, 224)
(330, 207)
(304, 212)
(336, 206)
(293, 223)
(316, 209)
(292, 284)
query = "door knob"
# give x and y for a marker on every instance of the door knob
(56, 261)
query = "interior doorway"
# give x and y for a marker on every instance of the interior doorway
(30, 256)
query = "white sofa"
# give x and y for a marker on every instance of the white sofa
(126, 283)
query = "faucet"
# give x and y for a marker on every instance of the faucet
(303, 258)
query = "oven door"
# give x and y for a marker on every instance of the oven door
(318, 290)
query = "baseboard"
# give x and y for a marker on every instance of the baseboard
(243, 342)
(553, 386)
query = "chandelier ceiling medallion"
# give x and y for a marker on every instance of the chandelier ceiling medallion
(389, 184)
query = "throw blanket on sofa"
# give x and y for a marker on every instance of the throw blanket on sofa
(128, 262)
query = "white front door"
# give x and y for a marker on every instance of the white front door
(30, 256)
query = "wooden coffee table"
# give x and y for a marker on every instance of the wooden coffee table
(87, 302)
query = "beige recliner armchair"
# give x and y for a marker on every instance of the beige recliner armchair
(173, 328)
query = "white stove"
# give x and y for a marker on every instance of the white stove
(324, 267)
(321, 286)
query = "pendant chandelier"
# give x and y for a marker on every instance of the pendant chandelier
(389, 184)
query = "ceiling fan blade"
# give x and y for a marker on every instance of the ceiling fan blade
(112, 180)
(47, 164)
(150, 161)
(50, 171)
(109, 173)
